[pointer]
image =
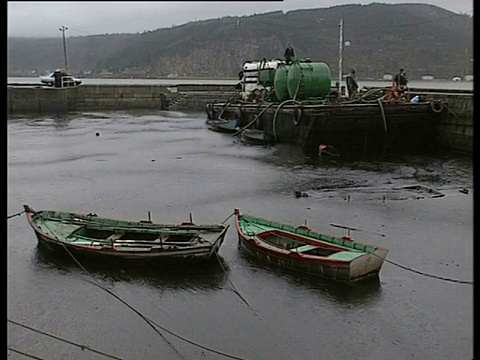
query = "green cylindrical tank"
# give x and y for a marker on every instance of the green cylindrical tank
(280, 82)
(308, 80)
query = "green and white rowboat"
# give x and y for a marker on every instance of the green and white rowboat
(93, 236)
(302, 249)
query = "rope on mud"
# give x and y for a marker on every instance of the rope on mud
(229, 216)
(235, 289)
(428, 275)
(83, 347)
(230, 281)
(274, 120)
(384, 125)
(451, 112)
(17, 214)
(413, 270)
(149, 321)
(24, 353)
(254, 119)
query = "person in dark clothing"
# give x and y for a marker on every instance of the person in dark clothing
(289, 54)
(399, 85)
(400, 80)
(352, 84)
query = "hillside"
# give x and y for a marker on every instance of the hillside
(424, 39)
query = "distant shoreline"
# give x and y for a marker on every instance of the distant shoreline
(423, 84)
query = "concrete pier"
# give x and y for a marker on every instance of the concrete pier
(453, 131)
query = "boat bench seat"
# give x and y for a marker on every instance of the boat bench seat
(115, 236)
(304, 248)
(346, 255)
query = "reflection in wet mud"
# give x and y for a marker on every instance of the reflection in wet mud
(201, 276)
(361, 292)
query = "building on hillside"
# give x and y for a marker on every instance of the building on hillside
(428, 77)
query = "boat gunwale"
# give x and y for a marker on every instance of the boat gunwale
(255, 242)
(289, 229)
(206, 249)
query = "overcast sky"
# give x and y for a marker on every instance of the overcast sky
(44, 19)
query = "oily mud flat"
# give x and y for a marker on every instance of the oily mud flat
(402, 179)
(173, 166)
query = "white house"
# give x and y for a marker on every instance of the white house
(428, 77)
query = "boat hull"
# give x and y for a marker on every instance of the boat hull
(348, 270)
(140, 257)
(224, 126)
(343, 272)
(256, 137)
(131, 251)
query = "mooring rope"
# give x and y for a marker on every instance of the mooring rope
(24, 353)
(451, 112)
(235, 289)
(83, 347)
(384, 126)
(274, 121)
(428, 275)
(411, 269)
(229, 216)
(147, 320)
(254, 119)
(17, 214)
(150, 322)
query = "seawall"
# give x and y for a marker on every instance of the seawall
(455, 129)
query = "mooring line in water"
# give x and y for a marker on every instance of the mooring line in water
(451, 112)
(251, 122)
(198, 345)
(24, 353)
(83, 347)
(411, 269)
(229, 216)
(149, 321)
(235, 289)
(121, 300)
(426, 274)
(17, 214)
(355, 229)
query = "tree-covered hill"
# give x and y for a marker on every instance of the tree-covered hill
(424, 39)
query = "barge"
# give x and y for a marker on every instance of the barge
(295, 103)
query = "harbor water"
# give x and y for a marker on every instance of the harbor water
(129, 164)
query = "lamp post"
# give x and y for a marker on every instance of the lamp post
(63, 29)
(340, 55)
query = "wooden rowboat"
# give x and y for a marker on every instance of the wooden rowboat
(223, 125)
(93, 236)
(255, 137)
(300, 248)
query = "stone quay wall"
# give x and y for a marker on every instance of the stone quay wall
(455, 129)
